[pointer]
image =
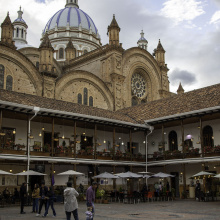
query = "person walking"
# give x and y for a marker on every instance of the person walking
(90, 198)
(43, 197)
(50, 202)
(70, 202)
(198, 190)
(35, 198)
(23, 192)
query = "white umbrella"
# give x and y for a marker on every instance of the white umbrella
(144, 172)
(2, 172)
(162, 175)
(203, 173)
(71, 173)
(146, 176)
(129, 175)
(30, 173)
(217, 176)
(106, 175)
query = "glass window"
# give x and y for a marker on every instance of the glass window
(173, 143)
(9, 82)
(17, 35)
(2, 73)
(61, 53)
(90, 101)
(85, 96)
(79, 98)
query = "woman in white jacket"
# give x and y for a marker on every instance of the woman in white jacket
(70, 202)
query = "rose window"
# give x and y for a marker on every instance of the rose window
(138, 85)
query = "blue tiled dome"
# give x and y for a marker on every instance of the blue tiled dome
(72, 16)
(20, 20)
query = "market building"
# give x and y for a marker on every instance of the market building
(75, 104)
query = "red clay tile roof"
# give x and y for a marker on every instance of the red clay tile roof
(32, 100)
(191, 101)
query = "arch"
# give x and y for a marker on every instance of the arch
(173, 141)
(24, 64)
(87, 77)
(137, 60)
(9, 83)
(208, 140)
(85, 51)
(2, 76)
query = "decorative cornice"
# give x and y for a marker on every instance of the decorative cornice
(93, 54)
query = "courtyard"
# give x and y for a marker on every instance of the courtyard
(178, 209)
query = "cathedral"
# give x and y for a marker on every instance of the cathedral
(73, 103)
(72, 65)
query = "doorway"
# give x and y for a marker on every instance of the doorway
(175, 183)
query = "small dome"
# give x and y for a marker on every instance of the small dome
(20, 19)
(72, 17)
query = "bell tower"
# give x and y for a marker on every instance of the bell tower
(70, 51)
(113, 32)
(160, 54)
(20, 29)
(142, 42)
(7, 33)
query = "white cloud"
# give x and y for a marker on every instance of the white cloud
(182, 10)
(215, 18)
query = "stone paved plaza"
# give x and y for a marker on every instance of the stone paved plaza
(178, 209)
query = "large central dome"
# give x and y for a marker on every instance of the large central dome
(71, 23)
(73, 17)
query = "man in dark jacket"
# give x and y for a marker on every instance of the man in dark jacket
(43, 197)
(23, 192)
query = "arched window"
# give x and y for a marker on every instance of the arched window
(61, 53)
(17, 34)
(79, 98)
(9, 82)
(22, 33)
(90, 101)
(2, 74)
(85, 51)
(173, 143)
(85, 102)
(134, 101)
(208, 136)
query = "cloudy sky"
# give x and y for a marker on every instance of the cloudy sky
(189, 31)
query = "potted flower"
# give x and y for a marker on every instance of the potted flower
(208, 149)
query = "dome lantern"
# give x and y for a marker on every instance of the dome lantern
(72, 3)
(142, 42)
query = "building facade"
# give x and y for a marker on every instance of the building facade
(73, 103)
